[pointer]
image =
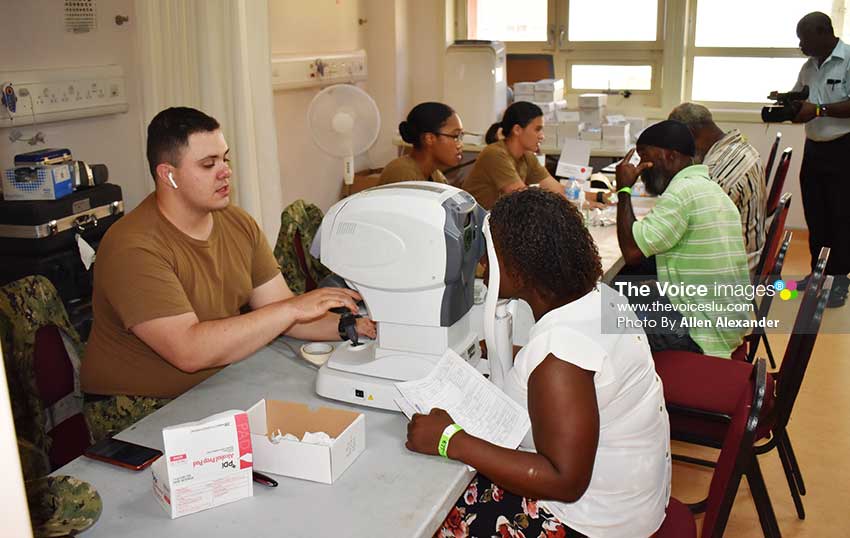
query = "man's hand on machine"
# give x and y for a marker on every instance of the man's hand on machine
(314, 304)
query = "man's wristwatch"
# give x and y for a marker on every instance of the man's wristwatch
(347, 327)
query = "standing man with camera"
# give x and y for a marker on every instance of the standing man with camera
(824, 177)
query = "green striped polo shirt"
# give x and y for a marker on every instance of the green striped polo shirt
(694, 232)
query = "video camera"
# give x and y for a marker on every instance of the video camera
(787, 106)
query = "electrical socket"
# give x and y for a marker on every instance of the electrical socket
(23, 107)
(299, 71)
(65, 93)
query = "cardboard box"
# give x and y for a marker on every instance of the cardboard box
(550, 131)
(637, 125)
(617, 144)
(548, 96)
(592, 100)
(206, 464)
(303, 460)
(549, 90)
(38, 183)
(592, 116)
(547, 108)
(524, 87)
(567, 115)
(550, 85)
(621, 131)
(590, 134)
(569, 130)
(363, 180)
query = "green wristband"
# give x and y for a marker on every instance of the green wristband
(448, 433)
(626, 190)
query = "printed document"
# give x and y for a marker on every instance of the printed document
(476, 404)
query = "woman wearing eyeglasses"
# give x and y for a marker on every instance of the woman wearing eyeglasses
(436, 133)
(509, 164)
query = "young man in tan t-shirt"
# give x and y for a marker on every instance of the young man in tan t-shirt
(173, 275)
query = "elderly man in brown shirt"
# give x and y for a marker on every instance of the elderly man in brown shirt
(173, 276)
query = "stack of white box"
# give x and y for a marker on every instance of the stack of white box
(592, 109)
(637, 125)
(569, 130)
(549, 90)
(524, 91)
(592, 135)
(549, 95)
(550, 131)
(589, 123)
(548, 109)
(616, 136)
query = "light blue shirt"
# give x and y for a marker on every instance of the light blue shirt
(829, 83)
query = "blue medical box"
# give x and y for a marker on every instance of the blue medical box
(50, 182)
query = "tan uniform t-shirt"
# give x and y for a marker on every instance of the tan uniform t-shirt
(406, 169)
(496, 168)
(147, 269)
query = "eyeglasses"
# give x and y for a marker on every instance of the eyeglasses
(458, 138)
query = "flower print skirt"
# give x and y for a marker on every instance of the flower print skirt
(487, 511)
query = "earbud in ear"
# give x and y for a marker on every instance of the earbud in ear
(171, 179)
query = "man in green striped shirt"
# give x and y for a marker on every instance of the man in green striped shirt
(694, 232)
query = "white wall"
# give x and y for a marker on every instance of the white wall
(32, 36)
(386, 46)
(426, 27)
(310, 27)
(405, 42)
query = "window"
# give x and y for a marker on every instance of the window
(740, 51)
(742, 79)
(499, 20)
(589, 77)
(725, 53)
(597, 45)
(613, 20)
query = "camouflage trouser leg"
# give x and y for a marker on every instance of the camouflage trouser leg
(108, 417)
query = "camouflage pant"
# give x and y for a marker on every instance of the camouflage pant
(108, 417)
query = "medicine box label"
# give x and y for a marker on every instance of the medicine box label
(206, 464)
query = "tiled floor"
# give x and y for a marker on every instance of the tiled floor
(819, 430)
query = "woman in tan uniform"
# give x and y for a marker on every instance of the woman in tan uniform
(510, 164)
(436, 133)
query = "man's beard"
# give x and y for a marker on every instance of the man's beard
(654, 180)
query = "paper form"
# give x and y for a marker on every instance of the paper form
(474, 403)
(575, 156)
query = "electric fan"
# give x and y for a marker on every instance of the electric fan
(344, 121)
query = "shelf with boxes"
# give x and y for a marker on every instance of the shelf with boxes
(589, 121)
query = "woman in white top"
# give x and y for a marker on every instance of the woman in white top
(598, 454)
